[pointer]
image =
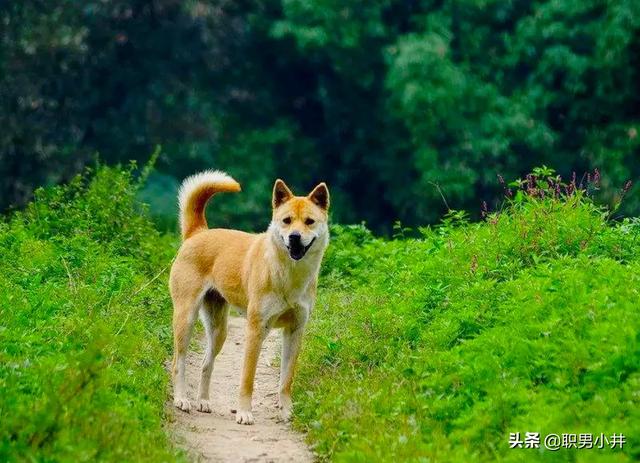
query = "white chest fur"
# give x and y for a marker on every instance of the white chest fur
(293, 280)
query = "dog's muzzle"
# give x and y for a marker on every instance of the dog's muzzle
(296, 249)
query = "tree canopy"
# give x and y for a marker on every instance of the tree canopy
(391, 102)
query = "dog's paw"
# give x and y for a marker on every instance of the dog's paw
(285, 405)
(183, 404)
(244, 417)
(204, 406)
(285, 414)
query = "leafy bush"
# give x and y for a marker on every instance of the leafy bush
(432, 346)
(436, 348)
(84, 326)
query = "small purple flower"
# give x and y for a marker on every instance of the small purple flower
(507, 190)
(625, 190)
(530, 182)
(569, 189)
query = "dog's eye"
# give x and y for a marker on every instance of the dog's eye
(287, 220)
(309, 221)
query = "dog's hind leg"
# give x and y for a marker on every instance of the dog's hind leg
(184, 315)
(214, 314)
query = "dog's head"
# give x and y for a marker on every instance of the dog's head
(300, 222)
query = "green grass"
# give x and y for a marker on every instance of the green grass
(435, 349)
(420, 349)
(84, 326)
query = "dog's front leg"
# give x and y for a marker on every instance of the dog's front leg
(255, 332)
(291, 342)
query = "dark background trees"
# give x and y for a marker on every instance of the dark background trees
(383, 99)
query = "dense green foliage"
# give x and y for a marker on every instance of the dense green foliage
(84, 326)
(381, 99)
(420, 349)
(435, 349)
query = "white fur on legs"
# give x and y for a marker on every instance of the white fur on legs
(244, 417)
(180, 398)
(207, 362)
(214, 319)
(182, 329)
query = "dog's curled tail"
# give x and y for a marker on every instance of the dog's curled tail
(194, 194)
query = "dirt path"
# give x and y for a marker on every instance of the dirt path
(216, 436)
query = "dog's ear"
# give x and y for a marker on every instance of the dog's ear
(281, 193)
(320, 196)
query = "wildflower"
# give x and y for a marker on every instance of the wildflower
(625, 189)
(530, 182)
(507, 191)
(570, 188)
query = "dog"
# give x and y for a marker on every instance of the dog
(272, 277)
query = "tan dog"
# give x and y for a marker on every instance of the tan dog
(271, 276)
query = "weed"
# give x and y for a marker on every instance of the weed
(435, 349)
(84, 326)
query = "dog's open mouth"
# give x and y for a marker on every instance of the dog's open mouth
(297, 250)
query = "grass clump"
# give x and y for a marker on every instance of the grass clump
(436, 348)
(84, 326)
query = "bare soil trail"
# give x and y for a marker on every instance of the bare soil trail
(216, 436)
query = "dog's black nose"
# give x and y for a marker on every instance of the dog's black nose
(295, 237)
(297, 250)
